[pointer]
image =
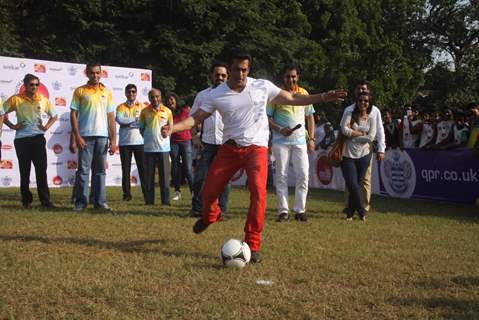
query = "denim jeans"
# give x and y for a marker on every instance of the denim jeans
(353, 172)
(93, 157)
(202, 165)
(181, 150)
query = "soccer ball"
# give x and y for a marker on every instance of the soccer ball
(235, 254)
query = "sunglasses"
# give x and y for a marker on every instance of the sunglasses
(33, 84)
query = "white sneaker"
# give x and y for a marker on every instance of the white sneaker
(177, 196)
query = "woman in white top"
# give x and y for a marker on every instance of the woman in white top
(360, 131)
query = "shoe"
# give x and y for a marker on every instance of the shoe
(195, 214)
(256, 257)
(127, 198)
(301, 217)
(27, 205)
(199, 226)
(363, 217)
(78, 209)
(48, 205)
(349, 217)
(103, 207)
(283, 217)
(177, 196)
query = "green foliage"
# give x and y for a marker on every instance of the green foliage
(336, 43)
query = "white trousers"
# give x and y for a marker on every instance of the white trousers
(298, 154)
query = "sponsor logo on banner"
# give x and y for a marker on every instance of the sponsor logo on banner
(7, 147)
(56, 85)
(57, 180)
(133, 180)
(145, 76)
(72, 70)
(60, 101)
(56, 164)
(41, 89)
(104, 73)
(145, 90)
(72, 164)
(58, 69)
(117, 89)
(324, 170)
(398, 174)
(57, 148)
(19, 66)
(6, 164)
(123, 76)
(6, 181)
(40, 68)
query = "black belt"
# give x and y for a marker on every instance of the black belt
(233, 143)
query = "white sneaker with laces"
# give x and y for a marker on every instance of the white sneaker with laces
(177, 196)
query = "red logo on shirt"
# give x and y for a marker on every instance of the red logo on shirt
(41, 89)
(59, 101)
(324, 170)
(40, 68)
(145, 76)
(6, 164)
(57, 180)
(7, 146)
(57, 148)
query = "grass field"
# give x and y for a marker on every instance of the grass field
(410, 260)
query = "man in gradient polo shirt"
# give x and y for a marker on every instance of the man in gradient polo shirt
(92, 119)
(291, 145)
(29, 138)
(156, 122)
(130, 140)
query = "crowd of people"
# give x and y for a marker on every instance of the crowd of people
(229, 128)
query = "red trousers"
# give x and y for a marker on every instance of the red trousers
(229, 159)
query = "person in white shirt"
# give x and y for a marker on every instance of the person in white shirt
(410, 129)
(291, 144)
(445, 133)
(241, 101)
(210, 140)
(375, 114)
(359, 127)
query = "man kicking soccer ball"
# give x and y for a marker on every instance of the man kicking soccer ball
(241, 101)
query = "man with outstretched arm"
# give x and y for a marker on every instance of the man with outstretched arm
(241, 101)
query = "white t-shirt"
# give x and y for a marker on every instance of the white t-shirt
(375, 115)
(212, 127)
(409, 140)
(244, 113)
(427, 134)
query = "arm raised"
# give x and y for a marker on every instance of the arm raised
(286, 98)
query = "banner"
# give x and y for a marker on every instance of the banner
(446, 175)
(58, 81)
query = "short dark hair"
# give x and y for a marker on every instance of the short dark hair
(291, 67)
(130, 86)
(218, 63)
(360, 83)
(238, 54)
(90, 65)
(29, 77)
